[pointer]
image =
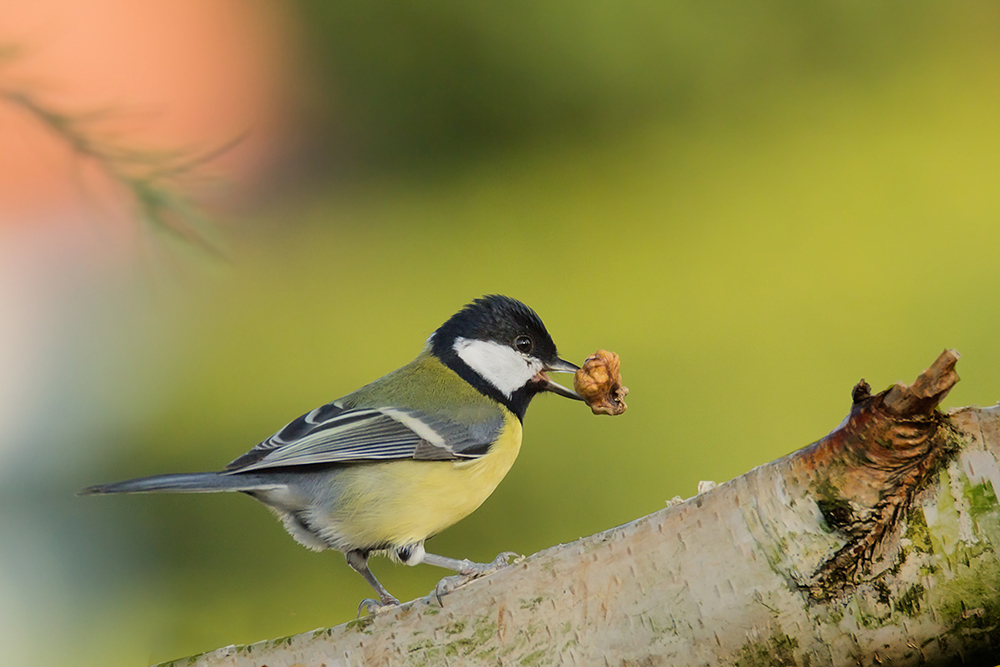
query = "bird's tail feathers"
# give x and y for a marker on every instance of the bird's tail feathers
(191, 482)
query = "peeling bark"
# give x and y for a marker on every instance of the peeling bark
(878, 544)
(867, 472)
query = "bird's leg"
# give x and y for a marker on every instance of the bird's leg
(358, 560)
(467, 570)
(466, 566)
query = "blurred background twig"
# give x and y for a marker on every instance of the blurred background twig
(153, 181)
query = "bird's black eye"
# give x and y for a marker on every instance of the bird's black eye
(523, 344)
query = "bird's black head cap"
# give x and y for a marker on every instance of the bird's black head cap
(502, 320)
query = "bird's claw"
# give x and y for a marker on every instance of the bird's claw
(503, 560)
(473, 571)
(376, 607)
(448, 584)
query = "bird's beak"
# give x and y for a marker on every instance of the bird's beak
(560, 366)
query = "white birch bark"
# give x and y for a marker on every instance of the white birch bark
(878, 545)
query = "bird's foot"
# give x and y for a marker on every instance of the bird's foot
(472, 571)
(482, 569)
(376, 607)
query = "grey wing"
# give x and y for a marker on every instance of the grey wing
(334, 434)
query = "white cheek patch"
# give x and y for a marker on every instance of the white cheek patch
(500, 365)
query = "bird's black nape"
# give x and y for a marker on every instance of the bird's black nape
(501, 319)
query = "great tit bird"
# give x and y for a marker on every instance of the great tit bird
(399, 460)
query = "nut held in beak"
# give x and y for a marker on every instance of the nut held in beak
(599, 381)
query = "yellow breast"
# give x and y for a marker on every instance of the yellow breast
(404, 502)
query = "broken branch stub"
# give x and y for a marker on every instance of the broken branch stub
(927, 391)
(866, 473)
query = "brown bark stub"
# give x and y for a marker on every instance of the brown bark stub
(928, 390)
(868, 471)
(862, 390)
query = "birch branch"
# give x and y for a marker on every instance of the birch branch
(879, 544)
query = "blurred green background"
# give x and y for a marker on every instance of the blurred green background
(754, 205)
